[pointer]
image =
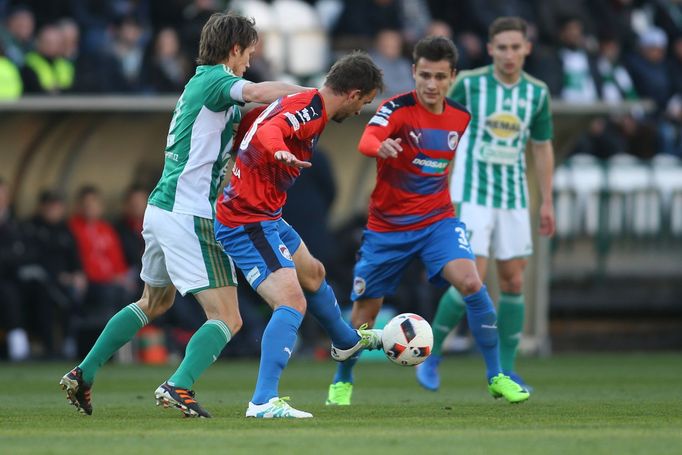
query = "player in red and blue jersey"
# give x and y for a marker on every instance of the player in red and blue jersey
(414, 137)
(277, 144)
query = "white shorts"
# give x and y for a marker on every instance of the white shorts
(181, 250)
(506, 230)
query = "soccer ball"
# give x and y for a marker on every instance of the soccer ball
(407, 339)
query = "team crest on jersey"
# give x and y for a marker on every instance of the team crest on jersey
(284, 251)
(453, 139)
(359, 285)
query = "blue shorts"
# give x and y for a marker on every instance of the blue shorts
(259, 249)
(384, 256)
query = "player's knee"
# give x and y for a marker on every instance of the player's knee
(470, 284)
(313, 277)
(512, 284)
(154, 306)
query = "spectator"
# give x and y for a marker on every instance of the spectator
(578, 67)
(615, 17)
(17, 35)
(416, 20)
(616, 83)
(129, 229)
(54, 280)
(46, 70)
(387, 54)
(128, 50)
(101, 254)
(47, 12)
(71, 39)
(650, 68)
(259, 69)
(11, 85)
(360, 19)
(12, 249)
(551, 15)
(167, 69)
(195, 16)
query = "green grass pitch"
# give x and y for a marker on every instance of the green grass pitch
(583, 404)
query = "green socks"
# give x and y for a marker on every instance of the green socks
(451, 309)
(120, 329)
(202, 350)
(510, 316)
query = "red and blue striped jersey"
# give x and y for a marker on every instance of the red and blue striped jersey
(258, 185)
(412, 189)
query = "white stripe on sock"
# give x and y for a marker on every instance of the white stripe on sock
(222, 327)
(140, 314)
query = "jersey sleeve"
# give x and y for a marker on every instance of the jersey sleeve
(541, 125)
(224, 90)
(457, 92)
(300, 120)
(381, 126)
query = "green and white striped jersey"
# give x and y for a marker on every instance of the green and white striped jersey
(490, 166)
(199, 142)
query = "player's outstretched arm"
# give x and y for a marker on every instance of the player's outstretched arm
(290, 159)
(269, 91)
(543, 155)
(378, 147)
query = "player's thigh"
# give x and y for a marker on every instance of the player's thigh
(256, 248)
(479, 222)
(309, 269)
(443, 242)
(382, 259)
(194, 260)
(153, 272)
(221, 304)
(281, 288)
(512, 235)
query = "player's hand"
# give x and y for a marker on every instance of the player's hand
(290, 159)
(547, 223)
(390, 148)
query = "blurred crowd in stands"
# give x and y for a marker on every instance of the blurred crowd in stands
(587, 51)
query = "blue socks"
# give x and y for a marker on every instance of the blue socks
(483, 326)
(276, 348)
(322, 304)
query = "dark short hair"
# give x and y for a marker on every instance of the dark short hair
(354, 71)
(435, 49)
(221, 33)
(49, 196)
(507, 24)
(85, 191)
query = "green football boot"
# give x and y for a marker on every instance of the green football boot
(503, 386)
(339, 394)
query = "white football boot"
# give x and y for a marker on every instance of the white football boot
(276, 408)
(369, 339)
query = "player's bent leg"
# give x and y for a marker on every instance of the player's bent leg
(364, 315)
(510, 315)
(223, 322)
(120, 329)
(321, 301)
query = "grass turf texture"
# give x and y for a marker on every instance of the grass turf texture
(585, 404)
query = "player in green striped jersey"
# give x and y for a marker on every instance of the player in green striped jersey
(180, 247)
(509, 108)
